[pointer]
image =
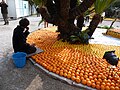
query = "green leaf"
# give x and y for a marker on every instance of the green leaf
(102, 5)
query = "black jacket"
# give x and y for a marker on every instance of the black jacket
(19, 39)
(4, 8)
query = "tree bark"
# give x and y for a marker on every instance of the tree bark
(81, 8)
(93, 24)
(64, 9)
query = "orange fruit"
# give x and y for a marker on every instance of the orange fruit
(85, 76)
(77, 73)
(50, 68)
(93, 85)
(107, 88)
(98, 86)
(72, 74)
(68, 75)
(110, 77)
(84, 82)
(54, 69)
(69, 72)
(61, 73)
(94, 76)
(99, 76)
(89, 83)
(117, 88)
(95, 73)
(103, 83)
(118, 81)
(73, 78)
(81, 74)
(105, 80)
(100, 80)
(65, 74)
(97, 82)
(90, 74)
(82, 78)
(86, 73)
(57, 72)
(77, 80)
(109, 80)
(90, 77)
(87, 79)
(92, 81)
(112, 84)
(82, 71)
(102, 87)
(108, 84)
(65, 71)
(112, 88)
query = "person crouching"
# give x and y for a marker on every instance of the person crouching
(19, 38)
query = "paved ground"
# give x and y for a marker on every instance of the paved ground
(30, 77)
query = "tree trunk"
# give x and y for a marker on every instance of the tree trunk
(80, 22)
(112, 23)
(81, 8)
(65, 15)
(93, 24)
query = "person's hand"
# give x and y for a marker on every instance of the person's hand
(27, 28)
(33, 44)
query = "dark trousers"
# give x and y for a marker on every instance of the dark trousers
(5, 17)
(29, 50)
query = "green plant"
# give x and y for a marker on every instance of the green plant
(81, 37)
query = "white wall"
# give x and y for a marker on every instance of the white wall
(22, 8)
(26, 10)
(17, 8)
(11, 8)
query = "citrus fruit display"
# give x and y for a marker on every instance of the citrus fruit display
(114, 33)
(77, 62)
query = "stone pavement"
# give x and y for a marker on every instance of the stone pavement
(30, 77)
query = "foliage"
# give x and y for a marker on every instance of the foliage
(110, 12)
(116, 4)
(81, 37)
(39, 2)
(102, 5)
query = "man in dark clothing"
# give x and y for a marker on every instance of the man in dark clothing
(19, 38)
(4, 11)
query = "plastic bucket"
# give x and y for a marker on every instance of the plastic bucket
(19, 59)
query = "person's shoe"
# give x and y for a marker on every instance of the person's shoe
(5, 23)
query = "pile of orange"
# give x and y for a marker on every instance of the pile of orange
(80, 63)
(114, 33)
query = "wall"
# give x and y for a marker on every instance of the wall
(17, 8)
(22, 8)
(11, 8)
